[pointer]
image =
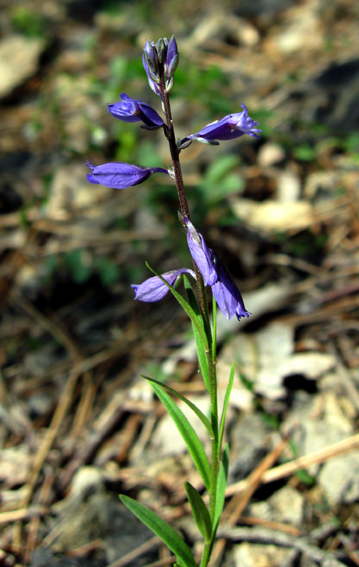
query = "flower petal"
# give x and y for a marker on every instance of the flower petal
(132, 110)
(119, 175)
(230, 127)
(154, 289)
(201, 254)
(227, 294)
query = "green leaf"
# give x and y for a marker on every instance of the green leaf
(79, 265)
(220, 167)
(305, 152)
(162, 529)
(108, 271)
(225, 406)
(221, 487)
(219, 180)
(194, 408)
(188, 309)
(201, 352)
(189, 435)
(200, 512)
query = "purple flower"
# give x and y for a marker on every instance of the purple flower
(154, 289)
(132, 110)
(229, 128)
(225, 291)
(200, 253)
(120, 175)
(227, 294)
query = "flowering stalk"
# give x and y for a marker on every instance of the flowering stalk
(160, 62)
(170, 134)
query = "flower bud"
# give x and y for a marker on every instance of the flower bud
(161, 49)
(172, 58)
(151, 58)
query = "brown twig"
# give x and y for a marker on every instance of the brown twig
(136, 552)
(287, 469)
(238, 503)
(21, 514)
(269, 537)
(35, 522)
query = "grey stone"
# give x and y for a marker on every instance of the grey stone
(19, 59)
(249, 441)
(102, 516)
(286, 505)
(340, 479)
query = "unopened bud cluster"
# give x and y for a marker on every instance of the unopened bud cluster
(160, 61)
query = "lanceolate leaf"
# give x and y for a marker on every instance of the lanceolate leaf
(189, 435)
(201, 353)
(188, 309)
(163, 530)
(225, 406)
(200, 512)
(194, 408)
(221, 487)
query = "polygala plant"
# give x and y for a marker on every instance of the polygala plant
(160, 61)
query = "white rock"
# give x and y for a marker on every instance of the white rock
(302, 29)
(257, 555)
(274, 345)
(311, 364)
(167, 440)
(286, 506)
(318, 422)
(325, 180)
(270, 154)
(85, 479)
(271, 216)
(288, 188)
(19, 59)
(70, 190)
(340, 479)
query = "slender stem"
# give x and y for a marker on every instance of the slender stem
(169, 132)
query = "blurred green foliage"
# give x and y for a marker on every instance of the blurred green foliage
(81, 266)
(28, 22)
(220, 181)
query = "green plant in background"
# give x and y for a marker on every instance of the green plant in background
(160, 63)
(220, 181)
(81, 266)
(28, 22)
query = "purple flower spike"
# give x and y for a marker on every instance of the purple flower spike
(201, 254)
(227, 294)
(229, 128)
(154, 289)
(120, 175)
(132, 110)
